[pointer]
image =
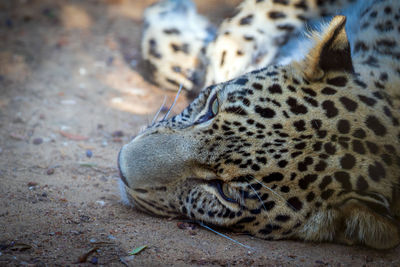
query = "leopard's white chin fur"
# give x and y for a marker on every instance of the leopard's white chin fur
(124, 195)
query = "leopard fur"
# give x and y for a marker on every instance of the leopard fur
(175, 59)
(309, 150)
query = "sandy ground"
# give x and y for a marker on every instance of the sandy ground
(71, 94)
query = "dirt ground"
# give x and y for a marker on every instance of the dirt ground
(71, 95)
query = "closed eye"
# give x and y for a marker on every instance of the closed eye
(221, 188)
(212, 111)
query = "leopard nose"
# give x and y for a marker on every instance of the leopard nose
(154, 159)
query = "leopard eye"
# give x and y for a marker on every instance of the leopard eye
(215, 106)
(223, 190)
(212, 111)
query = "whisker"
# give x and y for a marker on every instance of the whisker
(225, 236)
(273, 191)
(173, 104)
(259, 198)
(159, 110)
(239, 109)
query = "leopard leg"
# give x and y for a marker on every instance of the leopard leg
(362, 224)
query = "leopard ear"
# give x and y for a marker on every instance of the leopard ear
(331, 52)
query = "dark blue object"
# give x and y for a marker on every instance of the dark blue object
(89, 153)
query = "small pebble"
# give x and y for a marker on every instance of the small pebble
(32, 184)
(44, 194)
(94, 260)
(181, 225)
(184, 225)
(37, 141)
(100, 203)
(68, 102)
(92, 240)
(112, 237)
(89, 153)
(50, 171)
(104, 144)
(85, 218)
(18, 120)
(191, 232)
(117, 134)
(128, 258)
(82, 71)
(117, 100)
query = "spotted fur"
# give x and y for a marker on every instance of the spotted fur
(253, 37)
(181, 47)
(308, 150)
(173, 40)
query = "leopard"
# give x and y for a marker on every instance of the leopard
(173, 43)
(308, 150)
(181, 47)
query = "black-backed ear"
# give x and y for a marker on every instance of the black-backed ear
(331, 52)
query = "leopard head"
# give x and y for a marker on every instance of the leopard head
(281, 152)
